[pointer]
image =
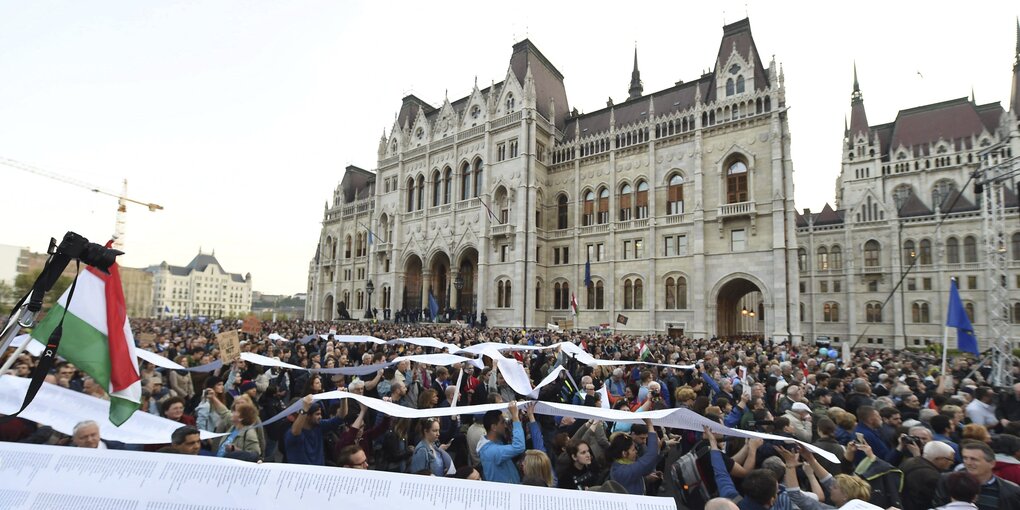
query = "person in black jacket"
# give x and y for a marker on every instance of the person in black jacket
(922, 473)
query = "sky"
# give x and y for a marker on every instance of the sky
(239, 116)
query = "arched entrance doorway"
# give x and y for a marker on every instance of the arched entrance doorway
(740, 309)
(440, 280)
(327, 308)
(411, 300)
(466, 299)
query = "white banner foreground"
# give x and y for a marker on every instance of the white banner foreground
(34, 476)
(62, 409)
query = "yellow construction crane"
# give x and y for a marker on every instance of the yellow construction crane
(122, 198)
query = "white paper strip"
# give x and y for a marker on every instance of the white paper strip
(434, 359)
(34, 347)
(62, 409)
(266, 361)
(36, 476)
(157, 360)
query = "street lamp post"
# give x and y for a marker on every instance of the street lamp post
(458, 283)
(369, 288)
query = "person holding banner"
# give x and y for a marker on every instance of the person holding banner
(628, 469)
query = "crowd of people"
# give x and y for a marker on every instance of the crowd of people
(905, 435)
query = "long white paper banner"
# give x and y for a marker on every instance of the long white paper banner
(678, 418)
(62, 409)
(36, 476)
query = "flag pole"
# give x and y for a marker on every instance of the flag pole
(945, 347)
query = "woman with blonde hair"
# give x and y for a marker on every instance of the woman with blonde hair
(975, 432)
(536, 469)
(841, 488)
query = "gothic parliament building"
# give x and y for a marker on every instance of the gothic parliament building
(671, 212)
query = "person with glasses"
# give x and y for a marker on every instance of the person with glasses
(921, 474)
(352, 457)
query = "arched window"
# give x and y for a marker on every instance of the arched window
(590, 302)
(421, 192)
(729, 87)
(624, 202)
(969, 308)
(872, 253)
(925, 252)
(347, 247)
(736, 183)
(561, 212)
(953, 250)
(410, 194)
(919, 313)
(437, 184)
(561, 296)
(600, 295)
(940, 192)
(508, 294)
(874, 312)
(510, 103)
(642, 200)
(478, 178)
(802, 264)
(503, 294)
(538, 295)
(909, 253)
(676, 293)
(675, 195)
(802, 317)
(359, 296)
(969, 249)
(823, 258)
(639, 294)
(1016, 313)
(465, 182)
(1015, 241)
(447, 184)
(603, 216)
(830, 312)
(589, 208)
(900, 195)
(628, 295)
(740, 84)
(836, 258)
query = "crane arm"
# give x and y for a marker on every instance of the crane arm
(72, 181)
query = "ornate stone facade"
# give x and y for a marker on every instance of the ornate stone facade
(681, 202)
(908, 214)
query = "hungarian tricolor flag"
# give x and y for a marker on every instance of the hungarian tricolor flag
(97, 338)
(573, 304)
(644, 352)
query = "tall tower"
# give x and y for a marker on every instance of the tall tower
(635, 80)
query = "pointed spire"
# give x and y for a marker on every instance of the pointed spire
(635, 79)
(1015, 92)
(972, 100)
(858, 117)
(857, 86)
